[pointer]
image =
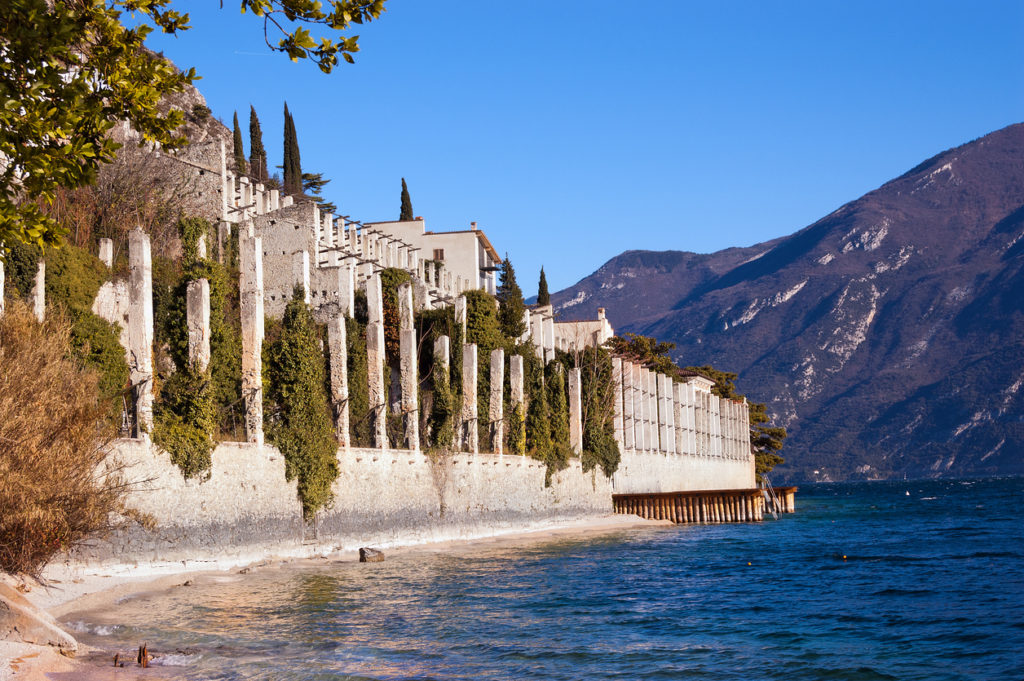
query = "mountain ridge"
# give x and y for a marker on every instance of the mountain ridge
(859, 328)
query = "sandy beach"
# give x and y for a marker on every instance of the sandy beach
(74, 589)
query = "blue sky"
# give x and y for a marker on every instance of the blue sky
(574, 130)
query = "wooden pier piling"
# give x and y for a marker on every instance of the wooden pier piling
(706, 506)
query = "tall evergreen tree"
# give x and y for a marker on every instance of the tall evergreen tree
(510, 300)
(292, 163)
(405, 214)
(543, 297)
(240, 167)
(257, 154)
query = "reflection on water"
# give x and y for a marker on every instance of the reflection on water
(865, 582)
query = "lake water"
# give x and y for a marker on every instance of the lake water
(902, 580)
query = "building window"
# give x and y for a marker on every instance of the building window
(438, 254)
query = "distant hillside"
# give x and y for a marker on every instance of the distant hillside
(888, 336)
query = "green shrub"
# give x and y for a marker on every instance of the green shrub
(598, 411)
(304, 429)
(358, 384)
(517, 431)
(73, 277)
(20, 266)
(185, 419)
(95, 343)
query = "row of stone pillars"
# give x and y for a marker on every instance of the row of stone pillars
(656, 414)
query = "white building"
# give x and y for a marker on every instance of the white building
(466, 254)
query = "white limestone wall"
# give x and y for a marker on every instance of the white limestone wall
(642, 472)
(245, 510)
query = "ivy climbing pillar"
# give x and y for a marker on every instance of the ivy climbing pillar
(140, 328)
(460, 313)
(408, 364)
(495, 411)
(468, 419)
(575, 411)
(197, 319)
(251, 303)
(337, 348)
(39, 292)
(375, 362)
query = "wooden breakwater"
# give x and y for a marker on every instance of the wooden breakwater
(707, 506)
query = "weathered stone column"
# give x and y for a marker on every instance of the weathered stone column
(421, 295)
(515, 380)
(575, 411)
(376, 360)
(537, 331)
(226, 187)
(496, 408)
(679, 415)
(617, 392)
(197, 318)
(715, 423)
(140, 328)
(300, 272)
(251, 303)
(337, 347)
(460, 313)
(468, 421)
(526, 325)
(107, 252)
(347, 287)
(628, 436)
(408, 365)
(549, 334)
(639, 428)
(654, 437)
(670, 415)
(39, 292)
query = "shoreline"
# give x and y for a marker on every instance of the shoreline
(76, 589)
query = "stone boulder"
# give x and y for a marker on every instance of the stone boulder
(371, 556)
(21, 621)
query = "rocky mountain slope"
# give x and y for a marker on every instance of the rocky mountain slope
(888, 336)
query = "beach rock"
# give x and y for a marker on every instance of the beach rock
(22, 621)
(371, 556)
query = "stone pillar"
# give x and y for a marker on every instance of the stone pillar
(515, 380)
(617, 406)
(715, 426)
(39, 292)
(197, 315)
(496, 408)
(408, 365)
(639, 410)
(468, 420)
(628, 437)
(377, 386)
(300, 272)
(421, 296)
(653, 436)
(549, 334)
(428, 272)
(526, 325)
(537, 330)
(251, 303)
(679, 416)
(669, 443)
(575, 411)
(201, 247)
(460, 313)
(140, 328)
(347, 288)
(226, 187)
(374, 300)
(337, 347)
(107, 252)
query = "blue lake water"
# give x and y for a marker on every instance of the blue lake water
(865, 581)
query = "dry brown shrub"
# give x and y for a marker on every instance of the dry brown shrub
(55, 487)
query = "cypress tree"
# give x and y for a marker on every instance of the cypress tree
(257, 154)
(405, 214)
(538, 418)
(510, 300)
(240, 167)
(292, 163)
(543, 297)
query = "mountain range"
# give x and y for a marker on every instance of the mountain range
(888, 336)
